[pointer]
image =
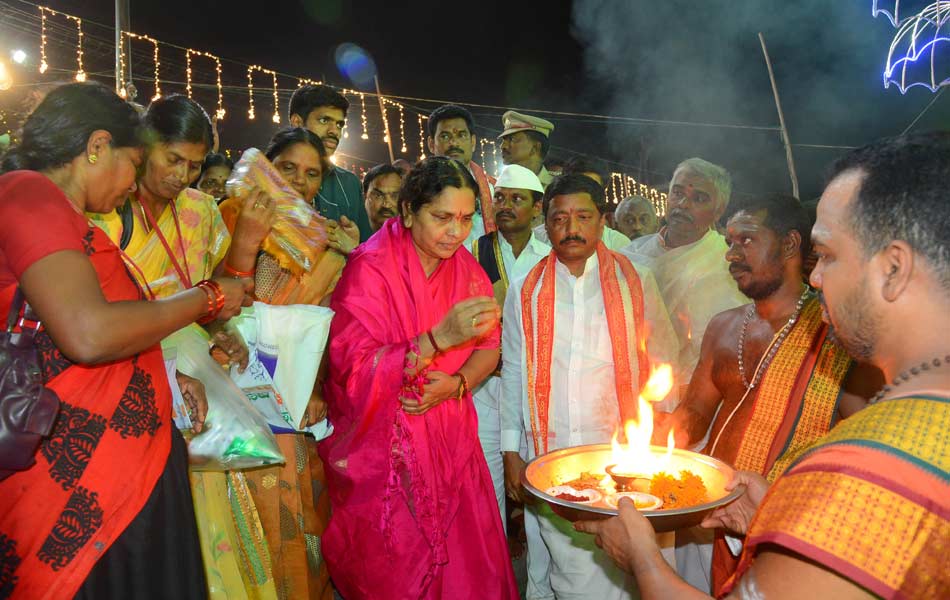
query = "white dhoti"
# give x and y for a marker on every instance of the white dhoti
(694, 557)
(489, 434)
(579, 569)
(567, 564)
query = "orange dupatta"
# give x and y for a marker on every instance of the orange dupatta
(623, 301)
(484, 196)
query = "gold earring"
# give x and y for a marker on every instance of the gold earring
(93, 158)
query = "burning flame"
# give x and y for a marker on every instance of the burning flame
(635, 457)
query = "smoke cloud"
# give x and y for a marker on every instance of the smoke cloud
(701, 62)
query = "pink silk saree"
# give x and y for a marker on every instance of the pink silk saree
(413, 508)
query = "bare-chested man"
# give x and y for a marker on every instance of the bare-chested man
(770, 369)
(865, 511)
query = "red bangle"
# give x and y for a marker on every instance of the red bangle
(432, 341)
(235, 273)
(215, 300)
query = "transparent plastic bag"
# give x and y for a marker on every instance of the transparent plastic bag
(298, 229)
(235, 435)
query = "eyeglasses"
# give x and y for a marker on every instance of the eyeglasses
(380, 195)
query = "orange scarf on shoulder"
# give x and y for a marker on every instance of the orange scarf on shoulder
(485, 182)
(623, 301)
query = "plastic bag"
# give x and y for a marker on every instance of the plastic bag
(298, 229)
(235, 435)
(285, 345)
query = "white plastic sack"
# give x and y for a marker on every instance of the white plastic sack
(235, 435)
(285, 345)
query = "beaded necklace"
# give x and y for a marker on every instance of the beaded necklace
(904, 376)
(773, 347)
(777, 340)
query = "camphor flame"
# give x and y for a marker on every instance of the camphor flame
(635, 457)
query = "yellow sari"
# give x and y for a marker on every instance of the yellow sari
(236, 557)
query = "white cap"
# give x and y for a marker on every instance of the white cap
(519, 178)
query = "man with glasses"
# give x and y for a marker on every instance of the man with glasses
(451, 132)
(381, 193)
(322, 110)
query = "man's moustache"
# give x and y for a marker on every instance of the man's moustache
(681, 214)
(739, 268)
(457, 150)
(504, 213)
(387, 213)
(573, 238)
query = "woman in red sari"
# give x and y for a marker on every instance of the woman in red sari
(105, 512)
(416, 328)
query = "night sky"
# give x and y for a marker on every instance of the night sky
(668, 60)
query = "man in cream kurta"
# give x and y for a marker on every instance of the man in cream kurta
(688, 257)
(584, 406)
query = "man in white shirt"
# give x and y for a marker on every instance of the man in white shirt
(506, 255)
(688, 257)
(581, 332)
(613, 239)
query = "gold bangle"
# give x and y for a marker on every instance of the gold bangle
(463, 385)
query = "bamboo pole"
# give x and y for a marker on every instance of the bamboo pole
(781, 120)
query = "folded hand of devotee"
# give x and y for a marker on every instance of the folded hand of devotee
(233, 346)
(628, 538)
(438, 388)
(736, 516)
(343, 236)
(255, 221)
(193, 393)
(470, 319)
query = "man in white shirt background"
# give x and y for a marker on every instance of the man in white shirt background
(573, 365)
(506, 255)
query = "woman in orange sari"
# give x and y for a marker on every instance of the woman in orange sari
(297, 488)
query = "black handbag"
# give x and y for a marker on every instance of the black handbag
(28, 408)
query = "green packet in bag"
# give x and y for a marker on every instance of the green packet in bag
(235, 435)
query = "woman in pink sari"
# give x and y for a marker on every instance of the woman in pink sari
(414, 512)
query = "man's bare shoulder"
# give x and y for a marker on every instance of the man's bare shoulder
(726, 321)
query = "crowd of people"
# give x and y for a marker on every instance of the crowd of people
(479, 322)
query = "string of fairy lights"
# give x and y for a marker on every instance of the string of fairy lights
(620, 186)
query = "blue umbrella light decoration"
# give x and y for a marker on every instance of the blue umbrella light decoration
(920, 50)
(892, 9)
